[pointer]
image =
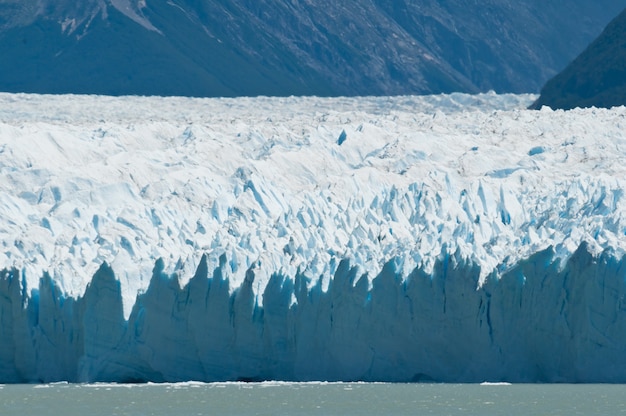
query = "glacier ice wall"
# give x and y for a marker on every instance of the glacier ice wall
(540, 321)
(453, 238)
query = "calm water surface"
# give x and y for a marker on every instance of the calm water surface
(311, 399)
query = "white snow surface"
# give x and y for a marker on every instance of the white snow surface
(128, 180)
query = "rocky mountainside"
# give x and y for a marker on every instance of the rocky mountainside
(596, 78)
(299, 47)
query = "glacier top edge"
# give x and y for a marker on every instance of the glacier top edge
(288, 184)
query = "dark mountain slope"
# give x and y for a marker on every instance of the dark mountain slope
(117, 56)
(596, 78)
(264, 47)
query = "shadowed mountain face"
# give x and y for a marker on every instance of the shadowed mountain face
(596, 78)
(262, 47)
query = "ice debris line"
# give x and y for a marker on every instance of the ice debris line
(446, 238)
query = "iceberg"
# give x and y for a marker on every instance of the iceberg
(456, 238)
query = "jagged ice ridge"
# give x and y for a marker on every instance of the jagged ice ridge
(451, 238)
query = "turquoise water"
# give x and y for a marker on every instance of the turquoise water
(311, 399)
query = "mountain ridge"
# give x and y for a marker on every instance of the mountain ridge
(233, 48)
(596, 78)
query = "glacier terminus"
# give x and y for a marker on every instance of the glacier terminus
(456, 238)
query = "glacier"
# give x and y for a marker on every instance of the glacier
(455, 238)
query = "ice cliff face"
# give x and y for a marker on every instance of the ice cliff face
(450, 238)
(538, 322)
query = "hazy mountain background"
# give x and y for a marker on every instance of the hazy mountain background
(596, 78)
(292, 47)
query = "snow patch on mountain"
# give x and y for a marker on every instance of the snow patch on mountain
(133, 10)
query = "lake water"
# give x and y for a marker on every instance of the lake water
(311, 399)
